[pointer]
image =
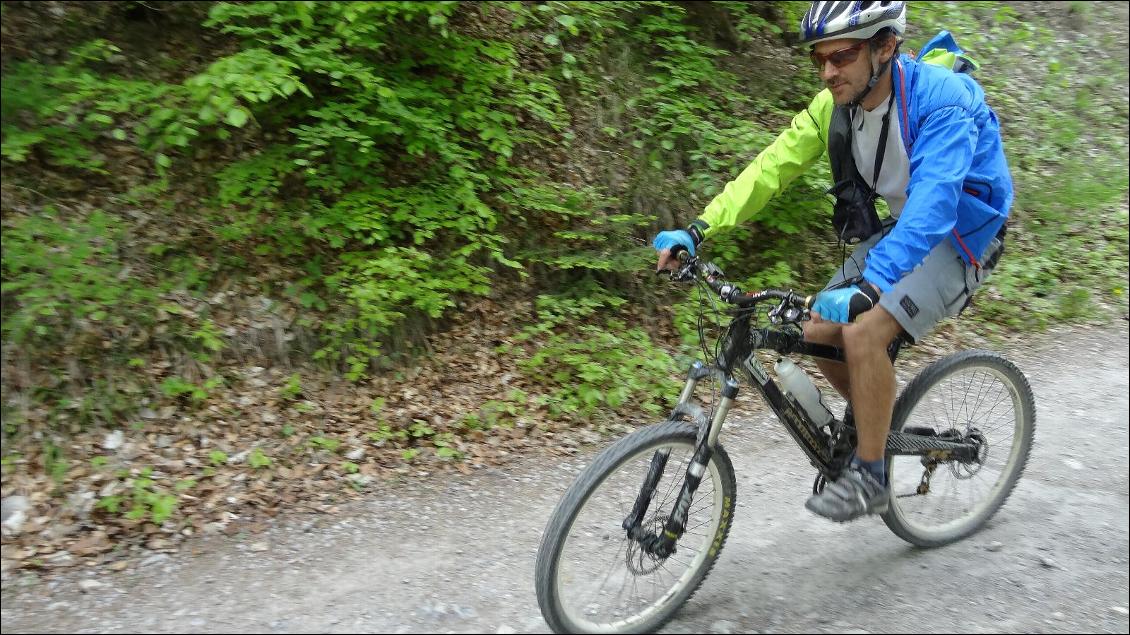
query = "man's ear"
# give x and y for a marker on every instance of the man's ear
(889, 47)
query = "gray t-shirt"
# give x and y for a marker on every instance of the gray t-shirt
(894, 176)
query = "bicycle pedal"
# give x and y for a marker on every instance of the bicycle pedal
(922, 431)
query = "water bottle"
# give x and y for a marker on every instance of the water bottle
(795, 382)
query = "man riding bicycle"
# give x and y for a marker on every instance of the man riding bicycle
(918, 133)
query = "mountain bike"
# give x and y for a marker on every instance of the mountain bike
(640, 528)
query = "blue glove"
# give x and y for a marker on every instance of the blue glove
(843, 305)
(674, 238)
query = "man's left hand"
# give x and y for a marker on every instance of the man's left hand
(844, 305)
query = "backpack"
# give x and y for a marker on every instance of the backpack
(942, 50)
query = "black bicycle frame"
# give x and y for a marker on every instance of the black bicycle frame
(738, 352)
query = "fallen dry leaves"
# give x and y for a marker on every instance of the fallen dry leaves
(251, 452)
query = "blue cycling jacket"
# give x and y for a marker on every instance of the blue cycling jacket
(960, 188)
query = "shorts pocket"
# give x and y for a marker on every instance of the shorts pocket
(960, 291)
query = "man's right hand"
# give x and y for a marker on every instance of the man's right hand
(668, 244)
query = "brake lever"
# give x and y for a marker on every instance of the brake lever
(784, 313)
(684, 274)
(686, 270)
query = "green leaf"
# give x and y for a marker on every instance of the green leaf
(237, 117)
(551, 39)
(118, 134)
(163, 160)
(163, 508)
(97, 117)
(257, 459)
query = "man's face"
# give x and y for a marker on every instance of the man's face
(850, 76)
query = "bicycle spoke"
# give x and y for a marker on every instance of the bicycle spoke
(979, 401)
(603, 582)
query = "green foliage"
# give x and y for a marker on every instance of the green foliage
(587, 231)
(55, 463)
(495, 413)
(586, 366)
(208, 341)
(258, 460)
(609, 366)
(8, 461)
(420, 428)
(377, 405)
(103, 401)
(384, 285)
(292, 388)
(64, 276)
(385, 433)
(562, 311)
(443, 443)
(180, 387)
(441, 104)
(325, 443)
(145, 498)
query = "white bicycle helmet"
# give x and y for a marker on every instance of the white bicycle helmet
(856, 20)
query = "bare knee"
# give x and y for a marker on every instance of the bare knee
(858, 338)
(823, 332)
(874, 332)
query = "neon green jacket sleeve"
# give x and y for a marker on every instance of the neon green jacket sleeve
(790, 154)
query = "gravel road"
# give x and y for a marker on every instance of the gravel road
(456, 553)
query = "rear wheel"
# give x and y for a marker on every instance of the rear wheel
(592, 578)
(976, 396)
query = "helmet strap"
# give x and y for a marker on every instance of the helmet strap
(875, 75)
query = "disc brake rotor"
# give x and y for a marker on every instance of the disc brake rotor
(639, 561)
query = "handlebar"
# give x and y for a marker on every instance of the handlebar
(793, 307)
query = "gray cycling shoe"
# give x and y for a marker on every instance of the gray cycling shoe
(855, 493)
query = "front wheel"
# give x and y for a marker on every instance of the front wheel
(973, 396)
(592, 578)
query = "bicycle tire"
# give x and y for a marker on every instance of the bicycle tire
(961, 388)
(557, 610)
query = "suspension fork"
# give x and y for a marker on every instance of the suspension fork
(632, 523)
(664, 545)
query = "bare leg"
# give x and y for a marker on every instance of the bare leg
(872, 377)
(820, 331)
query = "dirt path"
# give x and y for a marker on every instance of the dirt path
(457, 554)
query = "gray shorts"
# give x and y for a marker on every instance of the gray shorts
(938, 288)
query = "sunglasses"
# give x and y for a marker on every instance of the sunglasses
(839, 58)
